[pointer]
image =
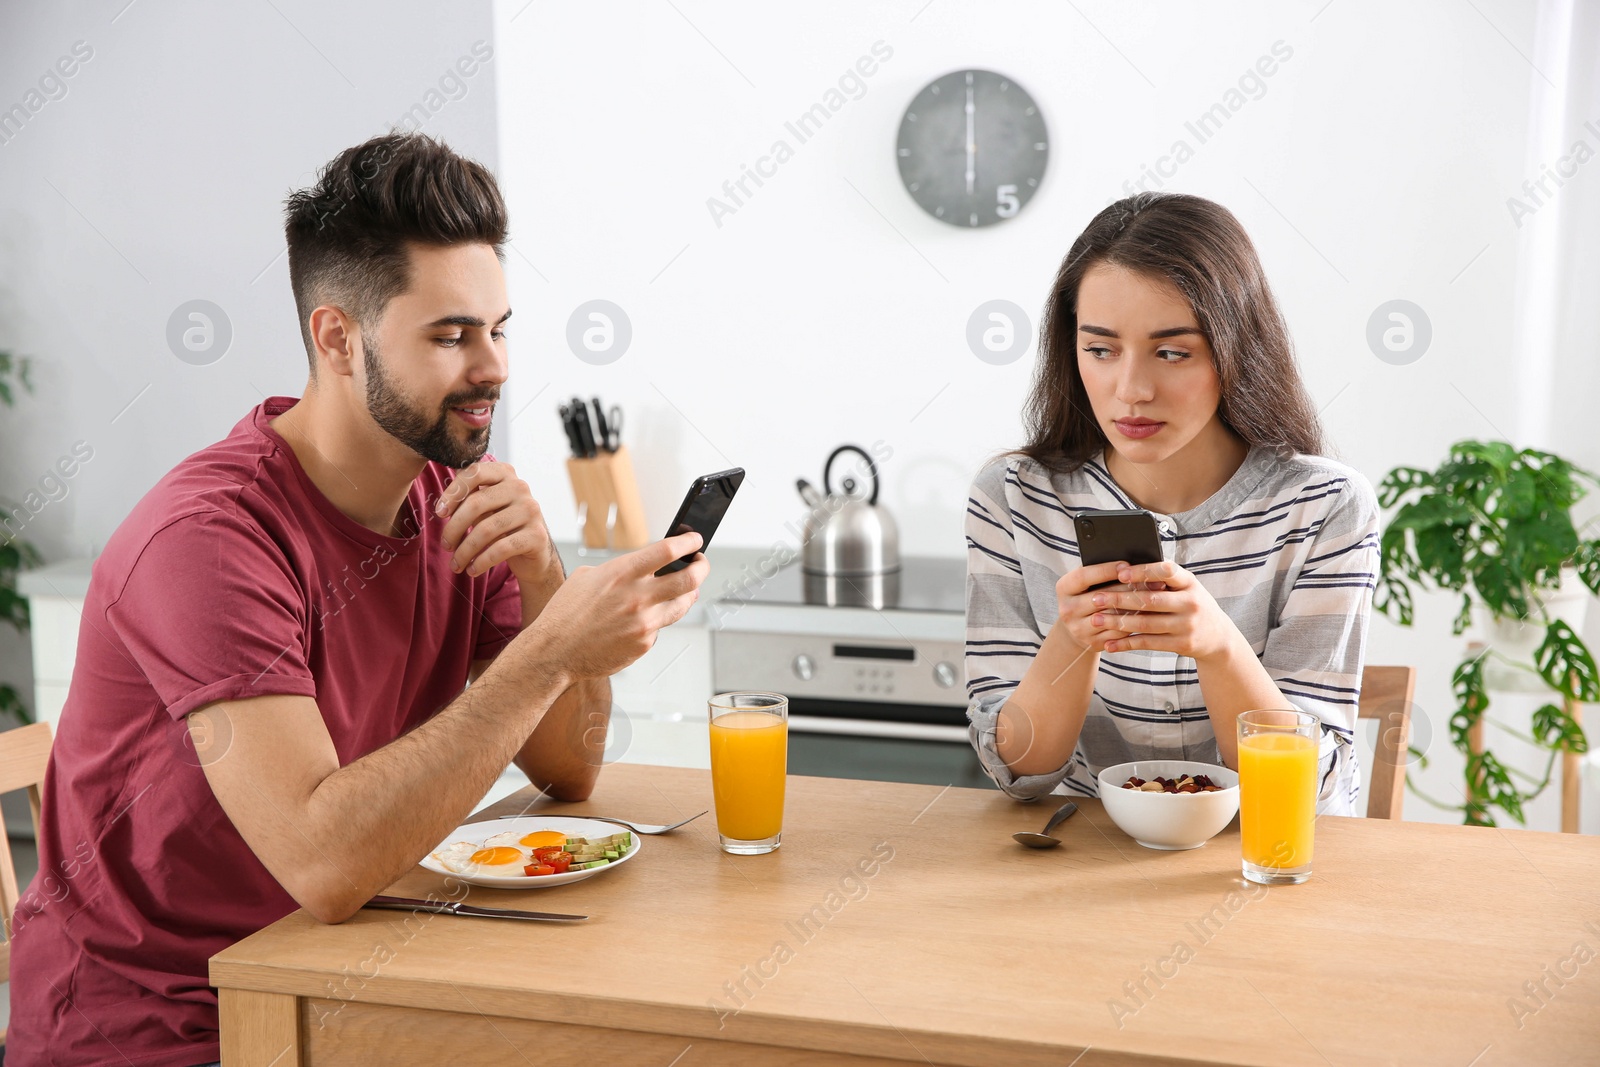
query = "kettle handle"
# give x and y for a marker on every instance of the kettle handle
(827, 470)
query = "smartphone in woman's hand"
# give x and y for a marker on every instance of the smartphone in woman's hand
(1111, 536)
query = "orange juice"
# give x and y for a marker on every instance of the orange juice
(749, 758)
(1277, 798)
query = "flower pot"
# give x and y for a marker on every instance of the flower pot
(1517, 641)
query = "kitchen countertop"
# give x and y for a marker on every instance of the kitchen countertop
(729, 565)
(733, 568)
(900, 923)
(68, 579)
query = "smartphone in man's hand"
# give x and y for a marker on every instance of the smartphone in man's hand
(702, 510)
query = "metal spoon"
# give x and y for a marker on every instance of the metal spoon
(1042, 838)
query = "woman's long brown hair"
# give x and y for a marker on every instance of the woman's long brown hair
(1200, 248)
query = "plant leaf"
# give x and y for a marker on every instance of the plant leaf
(1587, 560)
(1472, 699)
(1492, 781)
(11, 705)
(1497, 454)
(1501, 590)
(1393, 599)
(1565, 664)
(1399, 482)
(1555, 729)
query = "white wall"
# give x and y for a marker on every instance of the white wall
(158, 178)
(829, 308)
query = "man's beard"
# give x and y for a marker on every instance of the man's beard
(428, 436)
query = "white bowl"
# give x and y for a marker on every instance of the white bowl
(1172, 821)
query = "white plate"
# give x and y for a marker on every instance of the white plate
(478, 832)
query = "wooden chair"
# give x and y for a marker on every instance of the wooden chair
(24, 753)
(1386, 696)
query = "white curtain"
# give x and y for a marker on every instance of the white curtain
(1556, 361)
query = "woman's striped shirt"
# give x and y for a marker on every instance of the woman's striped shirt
(1288, 548)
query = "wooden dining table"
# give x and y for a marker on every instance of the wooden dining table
(902, 924)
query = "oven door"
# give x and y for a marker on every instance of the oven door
(884, 742)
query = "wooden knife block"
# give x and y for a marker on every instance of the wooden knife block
(600, 484)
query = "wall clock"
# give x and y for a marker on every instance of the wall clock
(972, 148)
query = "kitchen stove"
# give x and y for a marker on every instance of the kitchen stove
(872, 667)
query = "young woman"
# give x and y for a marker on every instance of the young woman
(1165, 381)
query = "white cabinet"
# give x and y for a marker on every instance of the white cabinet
(658, 710)
(54, 632)
(672, 681)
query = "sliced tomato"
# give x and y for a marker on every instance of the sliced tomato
(546, 851)
(534, 869)
(561, 861)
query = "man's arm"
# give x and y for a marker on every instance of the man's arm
(563, 754)
(492, 516)
(562, 757)
(333, 836)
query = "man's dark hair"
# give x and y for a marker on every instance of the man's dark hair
(348, 234)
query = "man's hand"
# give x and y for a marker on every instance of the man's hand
(603, 618)
(491, 517)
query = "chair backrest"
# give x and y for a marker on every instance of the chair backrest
(24, 754)
(1386, 696)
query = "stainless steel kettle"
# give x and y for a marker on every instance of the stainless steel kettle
(848, 535)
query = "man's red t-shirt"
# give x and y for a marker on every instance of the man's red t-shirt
(234, 577)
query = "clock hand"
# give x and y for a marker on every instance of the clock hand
(972, 140)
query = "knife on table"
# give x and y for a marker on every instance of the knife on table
(453, 907)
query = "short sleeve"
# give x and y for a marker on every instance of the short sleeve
(1316, 648)
(1002, 637)
(502, 613)
(212, 610)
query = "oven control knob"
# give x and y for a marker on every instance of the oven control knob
(804, 667)
(944, 675)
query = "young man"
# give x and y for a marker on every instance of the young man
(267, 709)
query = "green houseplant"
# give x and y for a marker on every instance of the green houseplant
(15, 553)
(1494, 525)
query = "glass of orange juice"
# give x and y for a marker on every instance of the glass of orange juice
(749, 762)
(1277, 794)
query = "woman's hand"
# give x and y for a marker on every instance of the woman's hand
(1162, 607)
(1090, 628)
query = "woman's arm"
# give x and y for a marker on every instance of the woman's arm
(1037, 729)
(1029, 694)
(1003, 635)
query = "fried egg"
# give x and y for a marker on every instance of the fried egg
(490, 858)
(542, 839)
(531, 840)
